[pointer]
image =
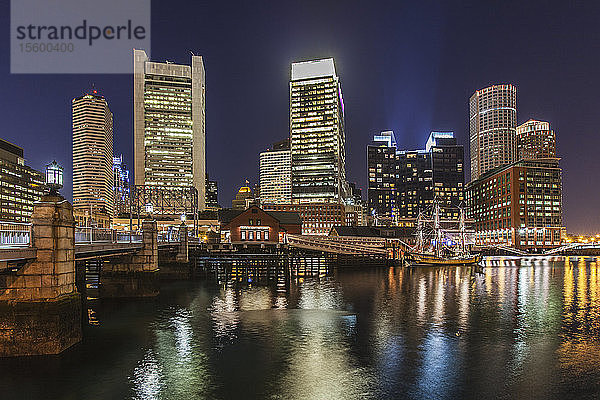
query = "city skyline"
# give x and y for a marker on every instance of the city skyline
(430, 111)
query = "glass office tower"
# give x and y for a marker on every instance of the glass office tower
(317, 133)
(169, 124)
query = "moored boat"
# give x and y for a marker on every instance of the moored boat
(439, 256)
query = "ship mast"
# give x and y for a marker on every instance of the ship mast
(461, 226)
(419, 233)
(438, 230)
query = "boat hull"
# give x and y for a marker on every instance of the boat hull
(431, 260)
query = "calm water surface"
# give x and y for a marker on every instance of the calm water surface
(517, 330)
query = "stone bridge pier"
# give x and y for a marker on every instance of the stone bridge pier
(134, 275)
(175, 262)
(40, 308)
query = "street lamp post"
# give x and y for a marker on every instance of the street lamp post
(54, 177)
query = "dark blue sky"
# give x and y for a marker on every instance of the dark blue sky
(406, 66)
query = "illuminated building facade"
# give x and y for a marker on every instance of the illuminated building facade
(535, 139)
(93, 193)
(275, 174)
(212, 194)
(383, 171)
(317, 219)
(169, 124)
(317, 135)
(492, 125)
(120, 185)
(20, 185)
(403, 183)
(518, 205)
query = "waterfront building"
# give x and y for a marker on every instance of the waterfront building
(169, 124)
(317, 219)
(20, 185)
(275, 174)
(518, 205)
(317, 137)
(93, 193)
(255, 225)
(120, 186)
(212, 194)
(403, 183)
(535, 139)
(492, 125)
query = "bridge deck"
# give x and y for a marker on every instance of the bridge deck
(85, 251)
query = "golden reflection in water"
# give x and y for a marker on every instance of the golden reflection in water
(579, 350)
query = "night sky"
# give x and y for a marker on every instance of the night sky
(406, 66)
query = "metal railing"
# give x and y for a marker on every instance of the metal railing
(84, 234)
(15, 234)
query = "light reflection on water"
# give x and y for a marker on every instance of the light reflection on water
(519, 329)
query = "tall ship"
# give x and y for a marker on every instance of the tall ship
(431, 248)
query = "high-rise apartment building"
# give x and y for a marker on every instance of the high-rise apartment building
(403, 183)
(275, 174)
(93, 195)
(535, 139)
(492, 124)
(169, 124)
(120, 186)
(317, 133)
(20, 185)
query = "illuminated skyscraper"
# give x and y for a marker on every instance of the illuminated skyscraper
(92, 159)
(317, 133)
(120, 185)
(535, 139)
(275, 174)
(492, 122)
(169, 124)
(403, 183)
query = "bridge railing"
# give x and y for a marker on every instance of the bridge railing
(15, 234)
(85, 234)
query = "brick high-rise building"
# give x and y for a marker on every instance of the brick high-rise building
(519, 205)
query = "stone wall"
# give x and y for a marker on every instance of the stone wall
(40, 308)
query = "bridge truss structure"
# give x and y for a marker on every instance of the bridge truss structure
(160, 202)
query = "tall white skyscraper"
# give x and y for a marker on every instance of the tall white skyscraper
(492, 124)
(169, 124)
(317, 133)
(92, 159)
(275, 174)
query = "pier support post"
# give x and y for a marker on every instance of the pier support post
(135, 275)
(40, 308)
(182, 254)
